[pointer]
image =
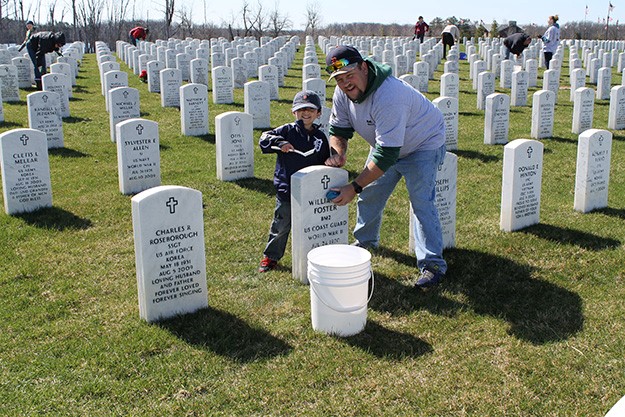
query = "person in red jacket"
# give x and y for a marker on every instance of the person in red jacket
(420, 28)
(138, 33)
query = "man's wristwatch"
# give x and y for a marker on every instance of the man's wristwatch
(357, 187)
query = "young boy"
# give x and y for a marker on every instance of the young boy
(290, 142)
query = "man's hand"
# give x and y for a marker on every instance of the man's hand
(347, 194)
(336, 160)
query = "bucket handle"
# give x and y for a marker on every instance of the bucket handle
(346, 309)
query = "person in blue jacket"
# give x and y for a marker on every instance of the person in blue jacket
(297, 145)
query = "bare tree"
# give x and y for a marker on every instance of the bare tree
(257, 20)
(246, 10)
(117, 11)
(278, 22)
(313, 18)
(169, 16)
(186, 24)
(90, 18)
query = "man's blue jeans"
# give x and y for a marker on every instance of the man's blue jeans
(419, 170)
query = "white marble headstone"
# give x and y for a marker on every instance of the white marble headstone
(194, 109)
(583, 109)
(25, 74)
(171, 81)
(168, 225)
(256, 103)
(43, 114)
(518, 96)
(315, 220)
(57, 83)
(124, 105)
(521, 184)
(497, 119)
(616, 113)
(223, 90)
(25, 168)
(543, 107)
(199, 71)
(9, 83)
(594, 152)
(449, 107)
(138, 155)
(269, 74)
(234, 138)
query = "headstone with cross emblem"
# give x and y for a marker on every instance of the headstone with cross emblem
(171, 81)
(234, 138)
(57, 83)
(65, 69)
(594, 152)
(223, 89)
(450, 86)
(168, 227)
(518, 96)
(124, 105)
(194, 109)
(616, 113)
(138, 155)
(449, 107)
(9, 84)
(256, 102)
(26, 184)
(543, 108)
(43, 114)
(154, 69)
(497, 119)
(199, 70)
(111, 80)
(583, 109)
(521, 184)
(485, 87)
(316, 221)
(25, 74)
(269, 74)
(445, 202)
(578, 80)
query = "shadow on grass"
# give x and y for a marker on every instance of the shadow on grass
(612, 212)
(477, 155)
(537, 311)
(562, 140)
(55, 218)
(260, 185)
(210, 138)
(574, 237)
(388, 344)
(67, 153)
(73, 119)
(226, 335)
(11, 124)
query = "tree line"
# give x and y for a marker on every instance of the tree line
(110, 20)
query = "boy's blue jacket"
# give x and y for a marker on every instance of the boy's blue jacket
(289, 163)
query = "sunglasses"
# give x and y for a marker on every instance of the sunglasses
(337, 65)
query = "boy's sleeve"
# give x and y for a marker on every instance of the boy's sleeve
(272, 138)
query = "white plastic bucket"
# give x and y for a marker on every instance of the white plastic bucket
(339, 288)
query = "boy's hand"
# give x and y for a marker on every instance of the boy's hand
(287, 147)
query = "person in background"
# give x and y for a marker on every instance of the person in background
(406, 135)
(449, 34)
(420, 28)
(30, 29)
(550, 39)
(289, 142)
(516, 43)
(42, 43)
(137, 33)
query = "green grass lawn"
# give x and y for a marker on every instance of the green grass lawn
(528, 323)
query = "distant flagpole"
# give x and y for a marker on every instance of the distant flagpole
(607, 20)
(585, 23)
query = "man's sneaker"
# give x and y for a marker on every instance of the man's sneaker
(267, 264)
(429, 279)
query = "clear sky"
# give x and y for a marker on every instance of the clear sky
(388, 11)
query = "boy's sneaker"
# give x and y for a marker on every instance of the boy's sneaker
(429, 279)
(267, 264)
